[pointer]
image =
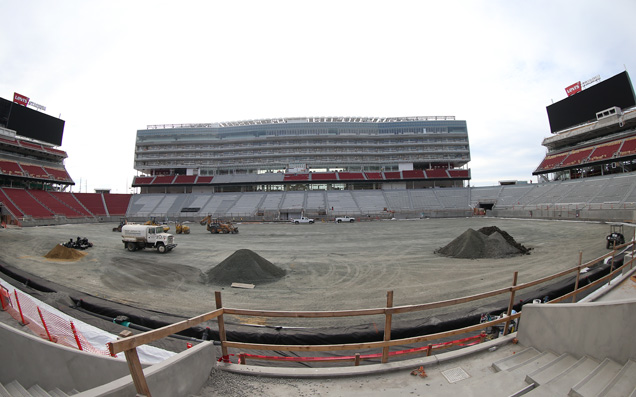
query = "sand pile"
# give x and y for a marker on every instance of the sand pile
(62, 252)
(244, 266)
(488, 242)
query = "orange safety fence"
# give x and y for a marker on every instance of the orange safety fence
(44, 323)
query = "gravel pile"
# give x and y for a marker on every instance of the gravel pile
(488, 242)
(244, 266)
(62, 252)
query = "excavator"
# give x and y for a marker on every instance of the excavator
(153, 222)
(215, 225)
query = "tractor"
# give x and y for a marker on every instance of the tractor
(182, 229)
(215, 226)
(615, 237)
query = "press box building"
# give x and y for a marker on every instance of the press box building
(309, 153)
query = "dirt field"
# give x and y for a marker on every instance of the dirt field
(328, 266)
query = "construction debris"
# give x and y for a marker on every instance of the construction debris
(65, 253)
(488, 242)
(244, 266)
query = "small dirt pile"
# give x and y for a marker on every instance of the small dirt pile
(64, 253)
(244, 266)
(488, 242)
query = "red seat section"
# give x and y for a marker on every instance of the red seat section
(204, 179)
(163, 180)
(577, 157)
(550, 162)
(374, 175)
(296, 177)
(351, 176)
(185, 179)
(35, 171)
(143, 180)
(628, 148)
(323, 176)
(70, 200)
(27, 204)
(54, 204)
(59, 175)
(605, 151)
(10, 168)
(462, 174)
(436, 173)
(413, 174)
(94, 202)
(393, 175)
(117, 204)
(8, 204)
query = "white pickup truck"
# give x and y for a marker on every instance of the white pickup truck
(341, 219)
(302, 219)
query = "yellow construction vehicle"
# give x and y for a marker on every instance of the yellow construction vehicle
(153, 222)
(215, 225)
(182, 229)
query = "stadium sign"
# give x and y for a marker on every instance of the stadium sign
(25, 101)
(590, 81)
(573, 89)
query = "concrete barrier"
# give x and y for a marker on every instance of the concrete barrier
(597, 329)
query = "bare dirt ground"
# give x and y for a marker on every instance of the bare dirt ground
(328, 266)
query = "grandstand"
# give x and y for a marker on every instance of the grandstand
(34, 182)
(314, 153)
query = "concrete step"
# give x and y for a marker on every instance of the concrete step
(516, 360)
(534, 363)
(551, 370)
(592, 384)
(623, 384)
(561, 384)
(57, 393)
(37, 391)
(15, 389)
(3, 391)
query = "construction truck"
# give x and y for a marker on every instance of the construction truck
(153, 222)
(215, 225)
(181, 228)
(138, 237)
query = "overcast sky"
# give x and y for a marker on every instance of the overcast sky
(109, 68)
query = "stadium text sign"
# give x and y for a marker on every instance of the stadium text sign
(573, 89)
(25, 101)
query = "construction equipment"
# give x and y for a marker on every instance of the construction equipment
(615, 237)
(181, 228)
(153, 222)
(138, 237)
(215, 225)
(122, 222)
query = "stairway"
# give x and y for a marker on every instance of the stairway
(15, 389)
(549, 374)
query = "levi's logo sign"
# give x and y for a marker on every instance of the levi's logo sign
(573, 89)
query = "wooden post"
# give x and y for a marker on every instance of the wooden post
(242, 358)
(578, 276)
(222, 338)
(357, 360)
(511, 303)
(429, 350)
(387, 326)
(134, 366)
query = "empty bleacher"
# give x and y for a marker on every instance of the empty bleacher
(425, 199)
(220, 204)
(342, 202)
(27, 204)
(93, 202)
(316, 199)
(246, 204)
(293, 201)
(117, 204)
(453, 198)
(398, 200)
(55, 205)
(370, 201)
(272, 201)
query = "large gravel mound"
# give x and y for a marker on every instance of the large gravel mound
(488, 242)
(244, 266)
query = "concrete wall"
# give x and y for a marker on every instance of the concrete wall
(597, 329)
(32, 360)
(181, 375)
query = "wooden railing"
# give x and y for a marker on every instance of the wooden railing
(128, 343)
